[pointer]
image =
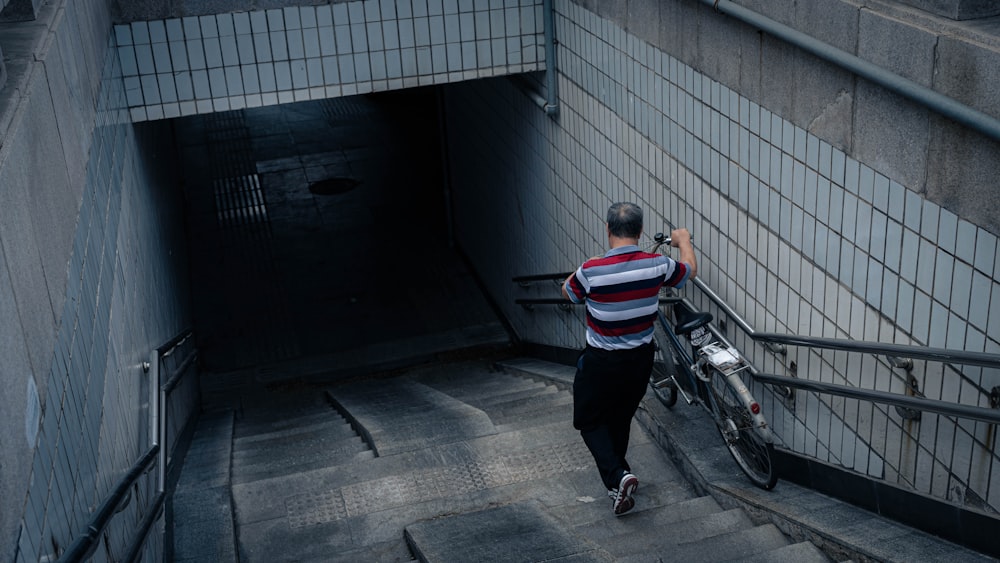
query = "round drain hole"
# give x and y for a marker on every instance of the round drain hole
(333, 186)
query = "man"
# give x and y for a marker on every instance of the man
(621, 290)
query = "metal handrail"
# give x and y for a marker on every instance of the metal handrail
(87, 541)
(775, 347)
(558, 301)
(897, 350)
(906, 401)
(179, 373)
(729, 311)
(172, 344)
(159, 391)
(964, 357)
(540, 277)
(85, 544)
(952, 109)
(132, 555)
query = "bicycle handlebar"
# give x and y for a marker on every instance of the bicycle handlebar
(660, 239)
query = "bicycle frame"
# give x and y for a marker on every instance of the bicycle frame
(712, 372)
(690, 365)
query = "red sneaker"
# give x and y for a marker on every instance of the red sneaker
(623, 501)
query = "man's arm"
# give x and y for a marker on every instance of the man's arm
(681, 239)
(566, 281)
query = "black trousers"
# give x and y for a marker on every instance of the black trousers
(606, 392)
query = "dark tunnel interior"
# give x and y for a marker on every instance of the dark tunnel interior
(319, 230)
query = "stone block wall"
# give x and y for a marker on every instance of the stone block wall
(957, 9)
(92, 278)
(797, 229)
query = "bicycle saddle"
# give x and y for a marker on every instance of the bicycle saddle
(688, 321)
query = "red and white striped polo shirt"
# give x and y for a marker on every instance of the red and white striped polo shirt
(622, 294)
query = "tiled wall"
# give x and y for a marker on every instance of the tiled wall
(229, 61)
(126, 294)
(793, 233)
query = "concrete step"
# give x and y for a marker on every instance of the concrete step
(304, 515)
(200, 504)
(276, 423)
(733, 546)
(203, 525)
(656, 505)
(377, 410)
(278, 403)
(652, 531)
(206, 462)
(509, 396)
(292, 452)
(615, 536)
(801, 552)
(393, 550)
(650, 500)
(334, 429)
(534, 368)
(557, 414)
(457, 373)
(291, 433)
(287, 465)
(532, 405)
(332, 424)
(438, 456)
(501, 401)
(482, 388)
(213, 430)
(528, 532)
(438, 471)
(516, 532)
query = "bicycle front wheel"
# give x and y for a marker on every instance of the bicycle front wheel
(736, 425)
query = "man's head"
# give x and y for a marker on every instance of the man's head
(625, 220)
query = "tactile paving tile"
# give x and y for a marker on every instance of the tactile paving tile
(315, 508)
(399, 490)
(557, 459)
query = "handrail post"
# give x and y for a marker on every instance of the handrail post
(157, 426)
(161, 481)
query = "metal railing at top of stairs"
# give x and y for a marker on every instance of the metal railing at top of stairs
(160, 390)
(893, 351)
(89, 539)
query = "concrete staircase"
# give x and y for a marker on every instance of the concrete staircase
(460, 462)
(298, 432)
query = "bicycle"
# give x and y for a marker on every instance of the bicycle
(712, 379)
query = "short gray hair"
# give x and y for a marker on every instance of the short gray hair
(625, 220)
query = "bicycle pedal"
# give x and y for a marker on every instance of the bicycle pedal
(668, 382)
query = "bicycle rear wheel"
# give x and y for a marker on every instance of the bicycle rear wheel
(736, 425)
(664, 369)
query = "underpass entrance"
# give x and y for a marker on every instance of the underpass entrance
(318, 235)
